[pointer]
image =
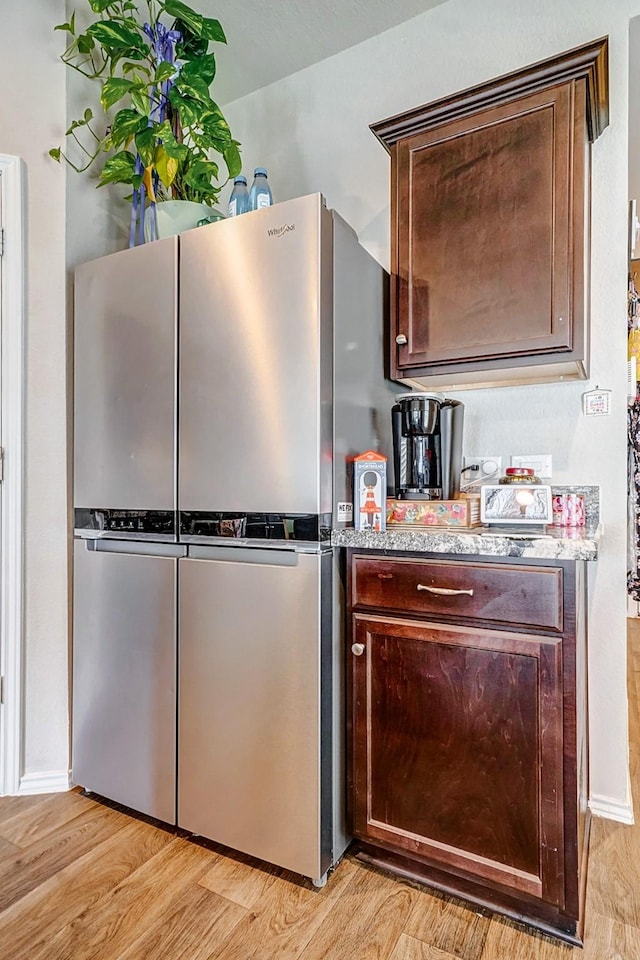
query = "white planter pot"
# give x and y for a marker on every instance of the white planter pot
(174, 216)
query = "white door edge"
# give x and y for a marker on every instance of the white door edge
(12, 377)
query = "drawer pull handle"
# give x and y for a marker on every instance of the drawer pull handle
(444, 591)
(357, 649)
(385, 576)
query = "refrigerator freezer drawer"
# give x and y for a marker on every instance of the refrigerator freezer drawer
(124, 678)
(254, 768)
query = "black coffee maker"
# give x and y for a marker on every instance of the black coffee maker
(427, 446)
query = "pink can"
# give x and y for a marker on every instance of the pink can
(568, 510)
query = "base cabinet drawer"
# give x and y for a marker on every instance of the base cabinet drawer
(530, 596)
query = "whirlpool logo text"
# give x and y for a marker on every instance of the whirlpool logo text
(280, 231)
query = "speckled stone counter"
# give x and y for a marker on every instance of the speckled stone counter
(555, 543)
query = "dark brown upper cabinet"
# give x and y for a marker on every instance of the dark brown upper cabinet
(490, 195)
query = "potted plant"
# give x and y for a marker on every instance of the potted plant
(160, 125)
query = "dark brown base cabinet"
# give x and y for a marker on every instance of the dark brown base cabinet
(468, 766)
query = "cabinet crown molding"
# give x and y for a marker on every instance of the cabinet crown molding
(589, 63)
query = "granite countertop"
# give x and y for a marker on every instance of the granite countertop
(553, 543)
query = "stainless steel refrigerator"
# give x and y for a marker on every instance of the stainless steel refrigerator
(223, 381)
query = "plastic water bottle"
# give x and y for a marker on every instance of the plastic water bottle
(239, 199)
(260, 193)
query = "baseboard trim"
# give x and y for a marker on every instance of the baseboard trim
(611, 809)
(55, 781)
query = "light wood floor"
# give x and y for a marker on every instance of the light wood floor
(82, 881)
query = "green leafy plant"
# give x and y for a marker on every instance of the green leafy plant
(160, 125)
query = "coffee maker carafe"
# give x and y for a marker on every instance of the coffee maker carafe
(427, 446)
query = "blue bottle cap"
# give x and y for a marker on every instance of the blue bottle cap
(259, 170)
(241, 180)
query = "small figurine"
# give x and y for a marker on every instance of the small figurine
(370, 508)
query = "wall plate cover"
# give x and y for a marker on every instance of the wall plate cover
(488, 468)
(540, 463)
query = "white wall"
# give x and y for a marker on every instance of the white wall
(311, 131)
(33, 113)
(97, 217)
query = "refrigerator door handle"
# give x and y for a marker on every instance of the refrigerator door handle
(142, 548)
(279, 558)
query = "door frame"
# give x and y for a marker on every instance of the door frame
(12, 381)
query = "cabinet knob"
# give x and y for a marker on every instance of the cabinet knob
(401, 339)
(357, 649)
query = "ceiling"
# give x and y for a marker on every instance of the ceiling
(269, 41)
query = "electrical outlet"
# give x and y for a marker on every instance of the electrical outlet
(489, 468)
(541, 463)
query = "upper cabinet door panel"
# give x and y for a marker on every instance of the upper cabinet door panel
(490, 211)
(484, 239)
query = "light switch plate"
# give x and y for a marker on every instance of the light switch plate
(540, 463)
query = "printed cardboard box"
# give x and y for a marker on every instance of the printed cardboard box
(370, 491)
(434, 513)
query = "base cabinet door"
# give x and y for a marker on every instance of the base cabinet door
(457, 750)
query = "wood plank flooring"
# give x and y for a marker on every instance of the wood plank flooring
(82, 881)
